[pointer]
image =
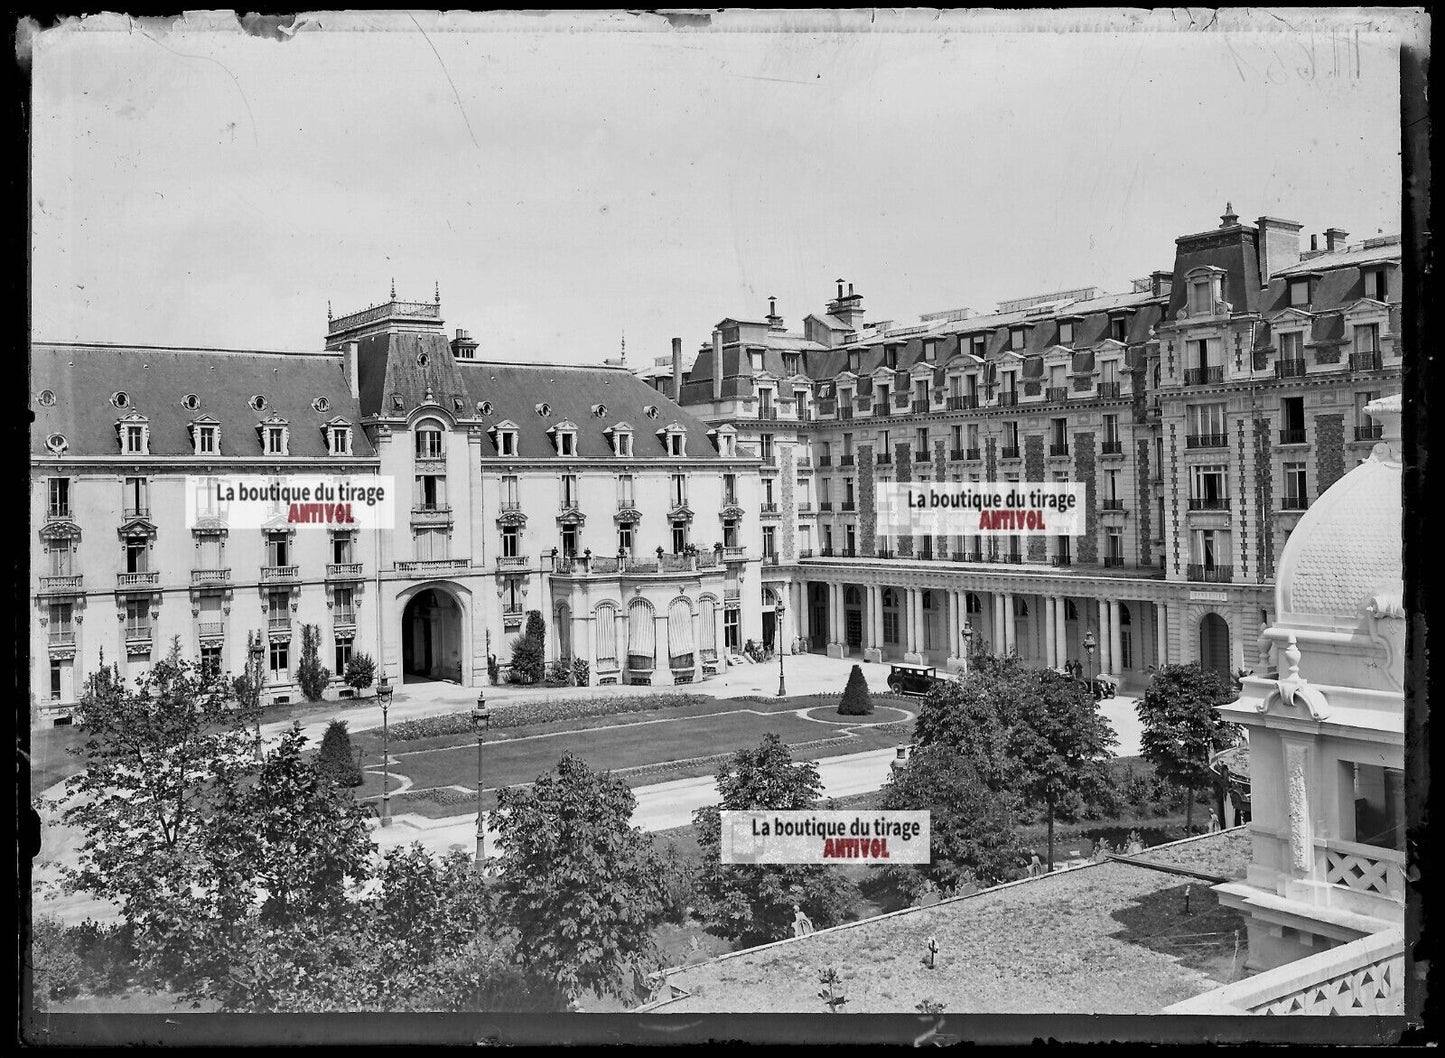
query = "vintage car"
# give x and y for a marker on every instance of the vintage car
(912, 679)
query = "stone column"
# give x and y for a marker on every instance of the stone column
(661, 655)
(835, 632)
(1008, 623)
(912, 604)
(717, 633)
(1116, 640)
(1103, 637)
(1061, 629)
(803, 616)
(588, 645)
(1161, 632)
(996, 605)
(1051, 649)
(956, 617)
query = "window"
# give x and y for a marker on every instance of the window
(624, 538)
(208, 551)
(278, 548)
(978, 345)
(677, 444)
(730, 488)
(569, 541)
(1111, 429)
(1114, 545)
(137, 619)
(59, 491)
(510, 502)
(1060, 432)
(1011, 434)
(137, 556)
(1201, 296)
(429, 443)
(1367, 338)
(511, 541)
(825, 490)
(507, 442)
(136, 498)
(342, 548)
(343, 655)
(431, 492)
(1376, 288)
(135, 441)
(275, 440)
(1292, 420)
(730, 532)
(678, 489)
(768, 492)
(1378, 795)
(569, 490)
(280, 660)
(732, 629)
(278, 610)
(1017, 338)
(205, 440)
(341, 440)
(972, 434)
(1291, 345)
(566, 443)
(1206, 420)
(622, 440)
(1111, 486)
(61, 559)
(624, 490)
(60, 626)
(1208, 482)
(1296, 487)
(1119, 329)
(920, 439)
(1299, 292)
(765, 403)
(765, 447)
(1210, 547)
(343, 606)
(679, 536)
(769, 537)
(920, 391)
(891, 356)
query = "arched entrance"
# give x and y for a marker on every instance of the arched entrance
(1214, 644)
(431, 637)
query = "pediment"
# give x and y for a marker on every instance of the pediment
(204, 420)
(571, 516)
(137, 527)
(731, 510)
(627, 516)
(337, 420)
(63, 530)
(682, 511)
(273, 419)
(505, 424)
(1290, 315)
(1365, 306)
(562, 427)
(511, 518)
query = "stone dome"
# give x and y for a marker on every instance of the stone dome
(1347, 552)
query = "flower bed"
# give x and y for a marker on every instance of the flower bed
(524, 713)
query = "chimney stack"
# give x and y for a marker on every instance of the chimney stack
(840, 290)
(717, 365)
(1161, 283)
(1314, 243)
(1278, 246)
(677, 369)
(353, 384)
(1335, 238)
(775, 322)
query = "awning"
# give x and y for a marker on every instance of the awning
(606, 637)
(679, 633)
(641, 635)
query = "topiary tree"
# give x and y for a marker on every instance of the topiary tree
(529, 662)
(536, 627)
(856, 699)
(360, 671)
(336, 760)
(310, 673)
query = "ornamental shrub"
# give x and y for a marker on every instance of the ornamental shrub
(360, 671)
(856, 700)
(581, 672)
(336, 760)
(536, 627)
(310, 673)
(523, 714)
(529, 659)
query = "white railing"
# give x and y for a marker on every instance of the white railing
(133, 580)
(1365, 976)
(1365, 868)
(433, 565)
(270, 574)
(62, 582)
(340, 570)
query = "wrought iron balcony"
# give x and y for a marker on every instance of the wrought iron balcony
(1294, 503)
(882, 409)
(956, 453)
(805, 507)
(847, 506)
(1056, 394)
(921, 455)
(883, 457)
(1366, 361)
(143, 511)
(1293, 368)
(1009, 452)
(1008, 398)
(1292, 437)
(971, 454)
(1211, 574)
(1109, 390)
(825, 461)
(1113, 561)
(921, 405)
(825, 505)
(846, 459)
(1062, 560)
(769, 508)
(1208, 503)
(1373, 432)
(1059, 450)
(1112, 448)
(1111, 505)
(1204, 376)
(1206, 440)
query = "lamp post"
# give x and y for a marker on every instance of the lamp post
(1089, 645)
(778, 641)
(383, 695)
(481, 720)
(258, 653)
(967, 633)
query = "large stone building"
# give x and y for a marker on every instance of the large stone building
(578, 492)
(1202, 410)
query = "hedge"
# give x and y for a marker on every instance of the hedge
(524, 714)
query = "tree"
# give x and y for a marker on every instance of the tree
(536, 628)
(157, 759)
(581, 888)
(335, 759)
(1183, 728)
(856, 700)
(1055, 742)
(971, 828)
(529, 660)
(753, 903)
(360, 671)
(964, 714)
(310, 674)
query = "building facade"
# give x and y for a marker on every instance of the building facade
(1202, 411)
(577, 492)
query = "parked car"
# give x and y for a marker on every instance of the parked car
(912, 679)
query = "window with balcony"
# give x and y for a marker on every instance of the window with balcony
(1210, 548)
(1208, 487)
(511, 498)
(1059, 437)
(570, 493)
(920, 443)
(135, 498)
(62, 559)
(1292, 421)
(430, 544)
(677, 489)
(208, 551)
(1113, 499)
(1296, 487)
(569, 541)
(730, 532)
(58, 491)
(1206, 424)
(431, 492)
(280, 661)
(278, 548)
(624, 538)
(1291, 345)
(769, 541)
(1367, 339)
(679, 536)
(343, 548)
(429, 442)
(765, 404)
(1366, 429)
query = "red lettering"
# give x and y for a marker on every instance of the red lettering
(293, 513)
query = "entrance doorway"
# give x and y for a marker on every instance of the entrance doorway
(853, 618)
(817, 617)
(431, 637)
(1214, 644)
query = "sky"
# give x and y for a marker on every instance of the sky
(566, 180)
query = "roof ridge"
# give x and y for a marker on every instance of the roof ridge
(141, 347)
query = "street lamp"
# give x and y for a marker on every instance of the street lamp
(967, 633)
(258, 653)
(383, 695)
(1089, 644)
(481, 720)
(778, 641)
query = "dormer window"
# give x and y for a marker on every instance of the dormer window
(134, 432)
(891, 355)
(1066, 332)
(207, 437)
(339, 439)
(564, 438)
(1016, 338)
(504, 434)
(275, 440)
(674, 439)
(1299, 293)
(1118, 328)
(621, 438)
(429, 442)
(1376, 286)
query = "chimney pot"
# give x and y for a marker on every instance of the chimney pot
(850, 290)
(840, 290)
(1314, 242)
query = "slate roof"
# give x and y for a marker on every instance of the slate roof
(1350, 256)
(83, 376)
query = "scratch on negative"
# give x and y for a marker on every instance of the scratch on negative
(223, 66)
(448, 76)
